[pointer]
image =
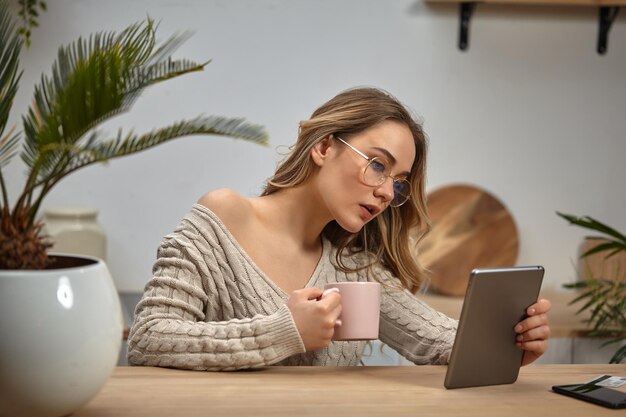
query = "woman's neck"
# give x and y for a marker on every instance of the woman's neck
(294, 212)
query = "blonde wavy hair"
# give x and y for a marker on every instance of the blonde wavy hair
(388, 239)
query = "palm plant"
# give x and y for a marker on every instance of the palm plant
(604, 297)
(92, 80)
(29, 12)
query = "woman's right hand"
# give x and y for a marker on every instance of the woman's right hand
(315, 316)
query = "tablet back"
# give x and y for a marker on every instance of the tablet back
(484, 351)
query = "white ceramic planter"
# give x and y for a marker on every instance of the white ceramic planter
(60, 337)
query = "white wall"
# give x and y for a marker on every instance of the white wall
(530, 112)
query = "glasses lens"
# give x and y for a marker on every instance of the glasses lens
(401, 192)
(376, 172)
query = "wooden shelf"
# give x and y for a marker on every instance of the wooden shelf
(563, 319)
(607, 11)
(588, 3)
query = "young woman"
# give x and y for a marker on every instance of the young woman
(238, 283)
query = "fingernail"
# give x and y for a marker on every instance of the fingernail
(518, 328)
(531, 311)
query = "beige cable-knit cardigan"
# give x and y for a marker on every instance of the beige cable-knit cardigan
(209, 307)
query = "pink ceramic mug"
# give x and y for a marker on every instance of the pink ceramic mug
(360, 310)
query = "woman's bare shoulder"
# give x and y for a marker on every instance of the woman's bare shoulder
(231, 207)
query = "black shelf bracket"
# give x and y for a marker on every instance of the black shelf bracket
(465, 14)
(606, 16)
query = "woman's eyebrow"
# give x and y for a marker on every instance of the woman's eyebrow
(393, 160)
(387, 154)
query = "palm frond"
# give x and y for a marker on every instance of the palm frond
(619, 355)
(93, 80)
(8, 147)
(582, 296)
(71, 157)
(87, 83)
(605, 300)
(10, 74)
(29, 12)
(133, 143)
(616, 246)
(167, 48)
(588, 222)
(142, 77)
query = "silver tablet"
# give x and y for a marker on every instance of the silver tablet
(484, 351)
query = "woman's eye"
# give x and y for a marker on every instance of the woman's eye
(378, 166)
(401, 186)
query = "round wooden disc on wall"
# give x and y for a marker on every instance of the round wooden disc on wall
(470, 229)
(598, 266)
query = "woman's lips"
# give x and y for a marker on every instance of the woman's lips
(366, 215)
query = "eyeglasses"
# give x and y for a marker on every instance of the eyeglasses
(377, 171)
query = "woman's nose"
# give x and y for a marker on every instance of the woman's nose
(385, 190)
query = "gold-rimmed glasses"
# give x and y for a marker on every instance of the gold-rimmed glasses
(376, 172)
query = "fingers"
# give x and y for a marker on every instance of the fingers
(537, 316)
(329, 290)
(542, 306)
(330, 319)
(536, 347)
(315, 314)
(531, 323)
(533, 350)
(534, 331)
(330, 299)
(336, 312)
(307, 293)
(537, 333)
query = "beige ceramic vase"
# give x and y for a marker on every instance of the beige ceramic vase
(75, 230)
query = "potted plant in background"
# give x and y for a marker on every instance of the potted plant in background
(603, 290)
(29, 11)
(60, 316)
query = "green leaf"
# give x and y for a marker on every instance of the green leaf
(133, 143)
(599, 301)
(619, 355)
(8, 148)
(615, 251)
(576, 285)
(92, 80)
(582, 297)
(10, 74)
(604, 247)
(593, 224)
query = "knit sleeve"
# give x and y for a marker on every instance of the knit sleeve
(171, 326)
(414, 329)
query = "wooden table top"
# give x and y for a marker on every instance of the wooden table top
(344, 391)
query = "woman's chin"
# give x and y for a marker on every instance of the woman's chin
(352, 226)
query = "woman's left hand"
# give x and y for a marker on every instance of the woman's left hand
(534, 331)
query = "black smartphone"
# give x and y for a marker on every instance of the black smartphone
(591, 392)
